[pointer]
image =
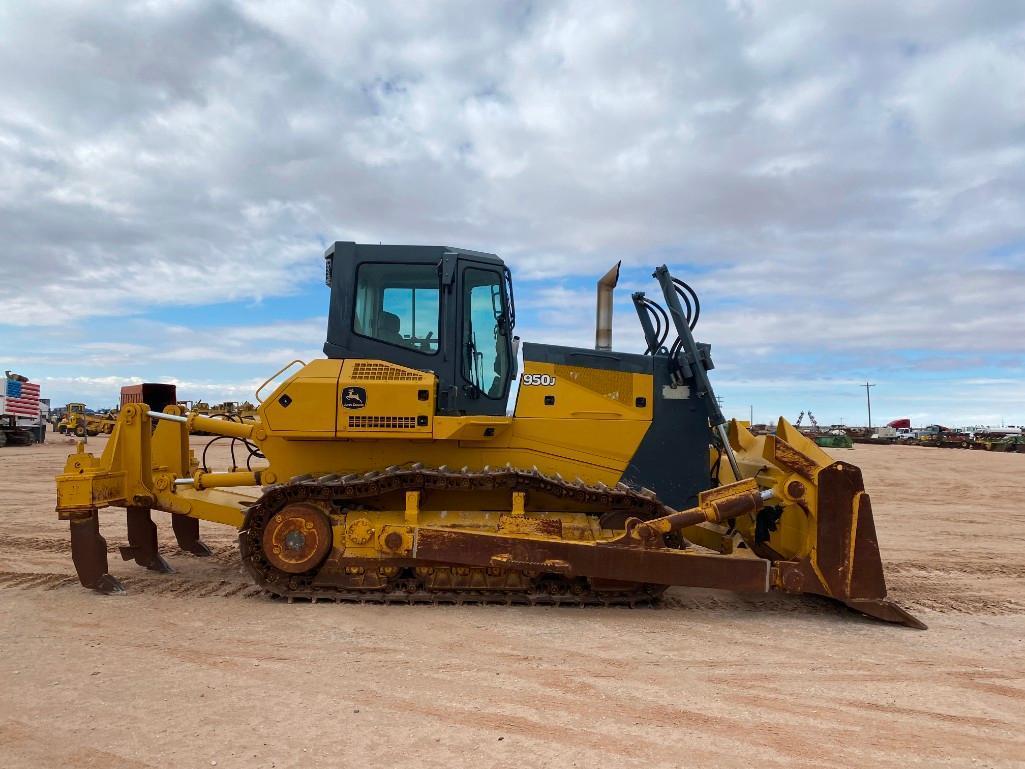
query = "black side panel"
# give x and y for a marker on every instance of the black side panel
(672, 459)
(585, 358)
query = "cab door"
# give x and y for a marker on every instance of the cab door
(484, 338)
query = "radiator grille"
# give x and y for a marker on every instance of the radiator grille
(614, 385)
(382, 372)
(381, 423)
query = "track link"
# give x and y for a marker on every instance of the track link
(408, 581)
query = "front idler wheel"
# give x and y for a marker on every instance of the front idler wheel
(297, 538)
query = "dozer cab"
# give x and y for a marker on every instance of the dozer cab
(391, 470)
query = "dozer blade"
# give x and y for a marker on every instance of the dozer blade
(845, 564)
(823, 538)
(887, 611)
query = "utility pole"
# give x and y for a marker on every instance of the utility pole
(751, 418)
(868, 398)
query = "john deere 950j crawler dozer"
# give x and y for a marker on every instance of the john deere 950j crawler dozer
(390, 470)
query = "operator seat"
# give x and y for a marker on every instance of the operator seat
(388, 329)
(500, 368)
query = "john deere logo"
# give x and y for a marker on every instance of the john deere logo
(354, 397)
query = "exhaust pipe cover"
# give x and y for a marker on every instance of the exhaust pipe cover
(603, 321)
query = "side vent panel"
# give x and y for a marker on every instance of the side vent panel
(380, 399)
(614, 385)
(383, 372)
(381, 423)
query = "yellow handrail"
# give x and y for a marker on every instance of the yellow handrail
(275, 375)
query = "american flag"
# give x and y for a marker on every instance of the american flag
(22, 398)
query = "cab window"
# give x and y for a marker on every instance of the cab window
(485, 328)
(398, 304)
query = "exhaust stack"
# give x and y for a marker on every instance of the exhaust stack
(603, 322)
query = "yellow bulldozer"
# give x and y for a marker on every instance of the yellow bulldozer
(391, 471)
(77, 421)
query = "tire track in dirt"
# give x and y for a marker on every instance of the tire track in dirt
(919, 597)
(224, 553)
(911, 594)
(951, 598)
(753, 603)
(957, 568)
(39, 544)
(167, 587)
(917, 585)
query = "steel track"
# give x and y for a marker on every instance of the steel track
(404, 587)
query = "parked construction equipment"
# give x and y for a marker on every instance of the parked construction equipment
(72, 420)
(834, 439)
(230, 410)
(158, 395)
(1005, 439)
(390, 471)
(811, 418)
(949, 439)
(245, 411)
(78, 421)
(1008, 443)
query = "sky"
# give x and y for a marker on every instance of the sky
(842, 184)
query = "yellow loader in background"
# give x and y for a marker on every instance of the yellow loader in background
(391, 471)
(76, 421)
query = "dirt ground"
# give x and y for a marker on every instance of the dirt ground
(198, 669)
